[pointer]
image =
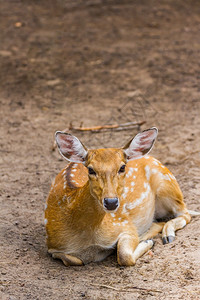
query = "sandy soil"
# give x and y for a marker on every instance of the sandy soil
(96, 62)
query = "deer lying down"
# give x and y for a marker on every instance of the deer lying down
(110, 198)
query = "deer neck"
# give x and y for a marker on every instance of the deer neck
(87, 209)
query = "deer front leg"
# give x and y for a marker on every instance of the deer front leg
(168, 233)
(129, 249)
(67, 259)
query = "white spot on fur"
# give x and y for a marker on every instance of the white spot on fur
(72, 175)
(171, 176)
(125, 222)
(59, 203)
(130, 172)
(132, 189)
(154, 171)
(165, 176)
(145, 185)
(75, 165)
(147, 172)
(155, 163)
(116, 224)
(124, 210)
(45, 221)
(134, 176)
(74, 181)
(139, 201)
(162, 176)
(112, 215)
(146, 157)
(132, 183)
(126, 189)
(45, 206)
(74, 170)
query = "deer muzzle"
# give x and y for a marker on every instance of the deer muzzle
(111, 203)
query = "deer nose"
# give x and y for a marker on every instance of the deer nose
(111, 203)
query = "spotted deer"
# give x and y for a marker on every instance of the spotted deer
(111, 198)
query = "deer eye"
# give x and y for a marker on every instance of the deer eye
(91, 171)
(122, 169)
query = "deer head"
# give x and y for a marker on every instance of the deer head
(106, 167)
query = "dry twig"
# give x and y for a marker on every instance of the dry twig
(96, 129)
(126, 288)
(123, 126)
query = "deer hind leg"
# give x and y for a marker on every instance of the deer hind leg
(129, 249)
(170, 205)
(168, 233)
(67, 259)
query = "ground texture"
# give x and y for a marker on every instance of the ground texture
(95, 62)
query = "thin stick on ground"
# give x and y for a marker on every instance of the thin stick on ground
(126, 288)
(123, 126)
(101, 128)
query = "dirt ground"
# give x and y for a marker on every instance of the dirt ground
(95, 62)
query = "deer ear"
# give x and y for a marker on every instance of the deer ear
(70, 147)
(141, 144)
